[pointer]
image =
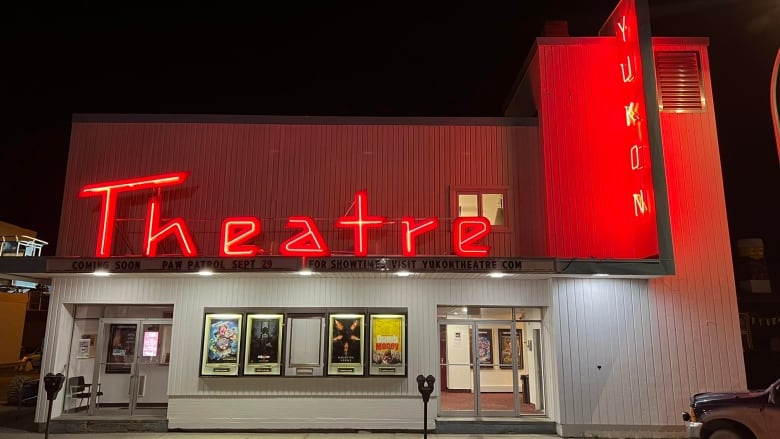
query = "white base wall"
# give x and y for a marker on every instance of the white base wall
(299, 413)
(622, 431)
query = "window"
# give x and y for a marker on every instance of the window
(489, 204)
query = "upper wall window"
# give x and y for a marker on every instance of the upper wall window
(679, 81)
(489, 204)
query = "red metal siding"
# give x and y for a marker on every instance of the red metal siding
(273, 171)
(700, 233)
(587, 169)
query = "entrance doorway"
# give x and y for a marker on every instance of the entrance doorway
(133, 365)
(490, 362)
(119, 366)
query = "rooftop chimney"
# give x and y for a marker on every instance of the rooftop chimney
(556, 28)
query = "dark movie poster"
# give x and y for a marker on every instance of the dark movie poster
(347, 342)
(121, 348)
(263, 344)
(345, 353)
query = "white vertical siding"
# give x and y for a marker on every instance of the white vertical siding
(604, 345)
(196, 402)
(657, 343)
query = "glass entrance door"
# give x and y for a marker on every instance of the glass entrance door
(488, 366)
(132, 372)
(456, 369)
(151, 380)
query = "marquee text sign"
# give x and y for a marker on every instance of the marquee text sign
(286, 264)
(237, 233)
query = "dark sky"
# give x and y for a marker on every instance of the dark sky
(345, 58)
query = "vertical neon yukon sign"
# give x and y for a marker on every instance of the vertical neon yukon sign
(633, 147)
(634, 108)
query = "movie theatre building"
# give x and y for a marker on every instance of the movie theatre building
(564, 268)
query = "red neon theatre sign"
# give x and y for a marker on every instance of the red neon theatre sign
(236, 233)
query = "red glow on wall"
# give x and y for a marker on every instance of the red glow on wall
(236, 231)
(466, 232)
(110, 192)
(309, 242)
(154, 233)
(361, 221)
(413, 229)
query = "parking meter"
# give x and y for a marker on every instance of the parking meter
(53, 383)
(425, 386)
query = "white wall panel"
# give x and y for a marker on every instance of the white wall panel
(190, 393)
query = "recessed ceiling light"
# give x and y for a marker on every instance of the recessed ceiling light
(305, 272)
(206, 273)
(403, 273)
(101, 273)
(497, 275)
(600, 275)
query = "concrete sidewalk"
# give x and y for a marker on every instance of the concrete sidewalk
(23, 435)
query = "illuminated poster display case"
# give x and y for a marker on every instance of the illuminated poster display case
(387, 344)
(345, 348)
(263, 345)
(221, 347)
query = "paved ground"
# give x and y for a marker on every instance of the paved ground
(267, 436)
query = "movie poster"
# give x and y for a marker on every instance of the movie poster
(505, 342)
(121, 348)
(388, 344)
(263, 344)
(345, 354)
(221, 344)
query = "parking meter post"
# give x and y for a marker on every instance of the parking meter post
(52, 384)
(425, 386)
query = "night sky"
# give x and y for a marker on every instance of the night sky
(352, 59)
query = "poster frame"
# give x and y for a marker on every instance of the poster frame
(220, 368)
(121, 330)
(263, 368)
(381, 368)
(357, 367)
(503, 335)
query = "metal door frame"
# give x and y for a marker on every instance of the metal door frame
(474, 325)
(101, 353)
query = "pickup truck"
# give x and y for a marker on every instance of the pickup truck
(730, 415)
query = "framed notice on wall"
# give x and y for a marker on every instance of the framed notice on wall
(387, 344)
(221, 344)
(263, 344)
(345, 347)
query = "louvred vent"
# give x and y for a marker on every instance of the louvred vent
(679, 81)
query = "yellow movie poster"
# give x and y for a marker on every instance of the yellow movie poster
(388, 344)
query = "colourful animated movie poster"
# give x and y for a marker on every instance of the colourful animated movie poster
(223, 340)
(387, 339)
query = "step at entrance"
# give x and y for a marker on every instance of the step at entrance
(495, 426)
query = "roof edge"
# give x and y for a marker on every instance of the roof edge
(300, 120)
